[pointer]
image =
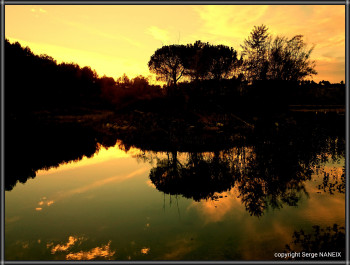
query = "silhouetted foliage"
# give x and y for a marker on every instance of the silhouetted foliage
(168, 63)
(265, 58)
(197, 61)
(125, 92)
(206, 61)
(215, 89)
(322, 241)
(268, 166)
(36, 83)
(254, 52)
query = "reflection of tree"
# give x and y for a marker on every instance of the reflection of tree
(45, 146)
(274, 177)
(329, 239)
(198, 178)
(332, 182)
(263, 178)
(269, 170)
(267, 166)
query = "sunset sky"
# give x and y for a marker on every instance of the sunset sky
(116, 39)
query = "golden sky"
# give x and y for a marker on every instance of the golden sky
(117, 39)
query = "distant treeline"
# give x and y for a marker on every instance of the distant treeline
(270, 73)
(262, 58)
(38, 82)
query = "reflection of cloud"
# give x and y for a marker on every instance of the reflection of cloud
(145, 250)
(96, 184)
(263, 237)
(159, 34)
(216, 210)
(98, 252)
(104, 251)
(47, 203)
(329, 209)
(102, 182)
(25, 245)
(12, 219)
(44, 202)
(179, 248)
(59, 247)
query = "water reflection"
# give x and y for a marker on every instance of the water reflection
(199, 177)
(32, 145)
(328, 243)
(269, 172)
(103, 252)
(67, 249)
(219, 179)
(267, 166)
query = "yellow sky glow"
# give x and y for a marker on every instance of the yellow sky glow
(117, 39)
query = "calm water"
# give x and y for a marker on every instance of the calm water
(242, 203)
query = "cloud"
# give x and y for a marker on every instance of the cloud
(229, 22)
(322, 26)
(159, 34)
(98, 32)
(38, 10)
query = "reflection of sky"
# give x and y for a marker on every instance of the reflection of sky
(103, 155)
(107, 208)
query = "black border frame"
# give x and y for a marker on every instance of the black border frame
(346, 4)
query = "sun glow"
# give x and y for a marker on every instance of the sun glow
(120, 39)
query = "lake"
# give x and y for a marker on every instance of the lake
(76, 194)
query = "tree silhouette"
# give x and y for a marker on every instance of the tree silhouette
(279, 58)
(255, 53)
(167, 63)
(206, 61)
(223, 61)
(289, 59)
